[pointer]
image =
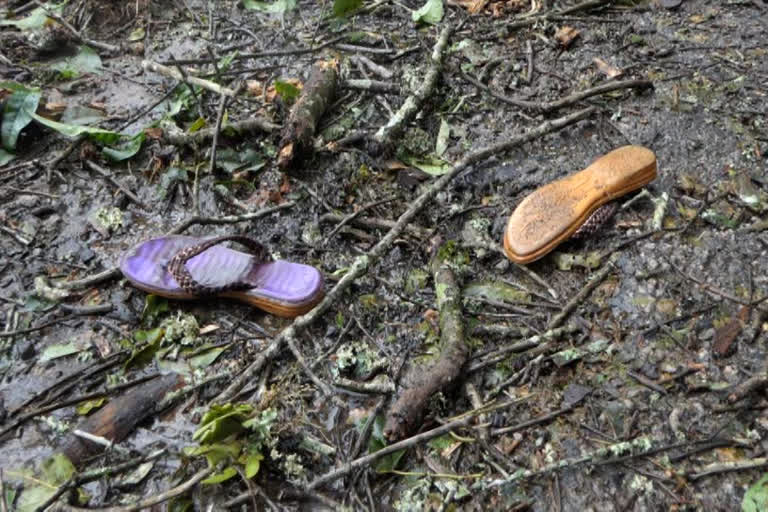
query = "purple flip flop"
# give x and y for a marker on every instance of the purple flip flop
(185, 267)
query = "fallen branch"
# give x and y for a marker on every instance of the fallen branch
(371, 86)
(725, 467)
(583, 293)
(374, 223)
(107, 176)
(549, 106)
(387, 133)
(459, 422)
(228, 219)
(535, 421)
(299, 128)
(638, 447)
(362, 263)
(182, 77)
(353, 215)
(119, 417)
(214, 147)
(174, 135)
(520, 346)
(423, 382)
(145, 503)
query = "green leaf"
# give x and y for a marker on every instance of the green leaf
(231, 160)
(36, 19)
(276, 7)
(84, 61)
(33, 496)
(125, 150)
(85, 407)
(431, 12)
(181, 505)
(57, 469)
(253, 464)
(343, 8)
(286, 90)
(137, 35)
(206, 358)
(441, 443)
(756, 497)
(146, 352)
(154, 306)
(15, 117)
(216, 453)
(223, 476)
(60, 350)
(197, 125)
(442, 137)
(81, 116)
(5, 157)
(430, 164)
(377, 442)
(222, 421)
(99, 135)
(169, 178)
(10, 495)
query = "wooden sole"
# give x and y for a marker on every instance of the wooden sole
(552, 213)
(270, 306)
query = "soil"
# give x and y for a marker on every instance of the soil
(652, 355)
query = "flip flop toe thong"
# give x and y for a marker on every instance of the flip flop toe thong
(185, 267)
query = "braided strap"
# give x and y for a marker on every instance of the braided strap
(596, 221)
(177, 265)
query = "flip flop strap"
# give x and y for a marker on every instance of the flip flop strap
(177, 265)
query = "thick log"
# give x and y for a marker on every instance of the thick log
(116, 420)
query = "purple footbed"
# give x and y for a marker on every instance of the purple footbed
(281, 281)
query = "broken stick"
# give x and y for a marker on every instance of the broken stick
(423, 382)
(299, 129)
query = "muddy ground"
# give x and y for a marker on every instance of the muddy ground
(655, 353)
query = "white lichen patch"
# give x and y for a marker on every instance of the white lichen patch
(182, 328)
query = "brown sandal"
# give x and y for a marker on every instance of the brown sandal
(554, 212)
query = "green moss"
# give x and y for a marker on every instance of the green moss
(416, 280)
(450, 252)
(369, 301)
(497, 291)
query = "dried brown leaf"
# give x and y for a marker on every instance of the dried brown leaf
(565, 35)
(607, 69)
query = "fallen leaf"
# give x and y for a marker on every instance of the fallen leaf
(254, 87)
(607, 69)
(565, 35)
(725, 336)
(155, 133)
(208, 329)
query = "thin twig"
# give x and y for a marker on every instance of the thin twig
(353, 215)
(583, 293)
(73, 31)
(106, 175)
(183, 77)
(462, 421)
(549, 106)
(228, 219)
(87, 282)
(413, 103)
(148, 502)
